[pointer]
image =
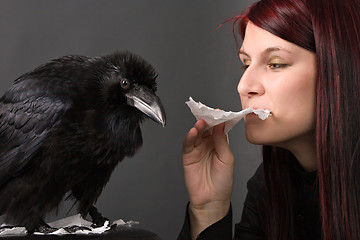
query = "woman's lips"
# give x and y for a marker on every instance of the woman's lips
(259, 113)
(251, 115)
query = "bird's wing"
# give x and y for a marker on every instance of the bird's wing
(25, 122)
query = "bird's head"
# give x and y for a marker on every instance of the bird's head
(129, 84)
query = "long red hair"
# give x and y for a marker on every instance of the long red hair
(330, 29)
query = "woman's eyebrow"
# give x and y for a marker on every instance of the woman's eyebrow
(266, 51)
(274, 49)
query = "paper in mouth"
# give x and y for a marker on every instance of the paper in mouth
(214, 117)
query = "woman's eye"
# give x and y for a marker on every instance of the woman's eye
(277, 65)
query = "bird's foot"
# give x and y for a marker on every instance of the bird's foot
(44, 228)
(73, 229)
(98, 219)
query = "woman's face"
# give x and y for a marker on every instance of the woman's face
(279, 76)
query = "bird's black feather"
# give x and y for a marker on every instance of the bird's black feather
(63, 128)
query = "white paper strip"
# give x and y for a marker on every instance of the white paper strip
(214, 117)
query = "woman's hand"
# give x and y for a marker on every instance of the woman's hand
(209, 171)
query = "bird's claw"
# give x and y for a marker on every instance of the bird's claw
(73, 229)
(45, 229)
(97, 218)
(100, 221)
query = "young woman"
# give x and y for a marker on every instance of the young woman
(301, 60)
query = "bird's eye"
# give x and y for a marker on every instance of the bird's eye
(125, 84)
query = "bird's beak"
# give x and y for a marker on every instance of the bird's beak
(147, 102)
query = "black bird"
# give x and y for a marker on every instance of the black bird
(65, 126)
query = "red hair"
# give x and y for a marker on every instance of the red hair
(330, 29)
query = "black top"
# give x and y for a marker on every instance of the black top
(253, 219)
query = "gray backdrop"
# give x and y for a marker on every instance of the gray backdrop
(193, 58)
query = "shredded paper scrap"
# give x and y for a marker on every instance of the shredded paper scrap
(61, 225)
(214, 117)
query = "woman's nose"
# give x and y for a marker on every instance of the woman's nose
(250, 84)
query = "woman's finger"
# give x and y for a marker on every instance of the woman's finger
(194, 136)
(221, 144)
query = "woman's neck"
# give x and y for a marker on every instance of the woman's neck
(304, 149)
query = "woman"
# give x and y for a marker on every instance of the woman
(301, 60)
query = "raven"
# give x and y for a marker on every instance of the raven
(63, 129)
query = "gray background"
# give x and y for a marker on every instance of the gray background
(193, 58)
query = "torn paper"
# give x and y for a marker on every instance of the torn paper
(214, 117)
(62, 224)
